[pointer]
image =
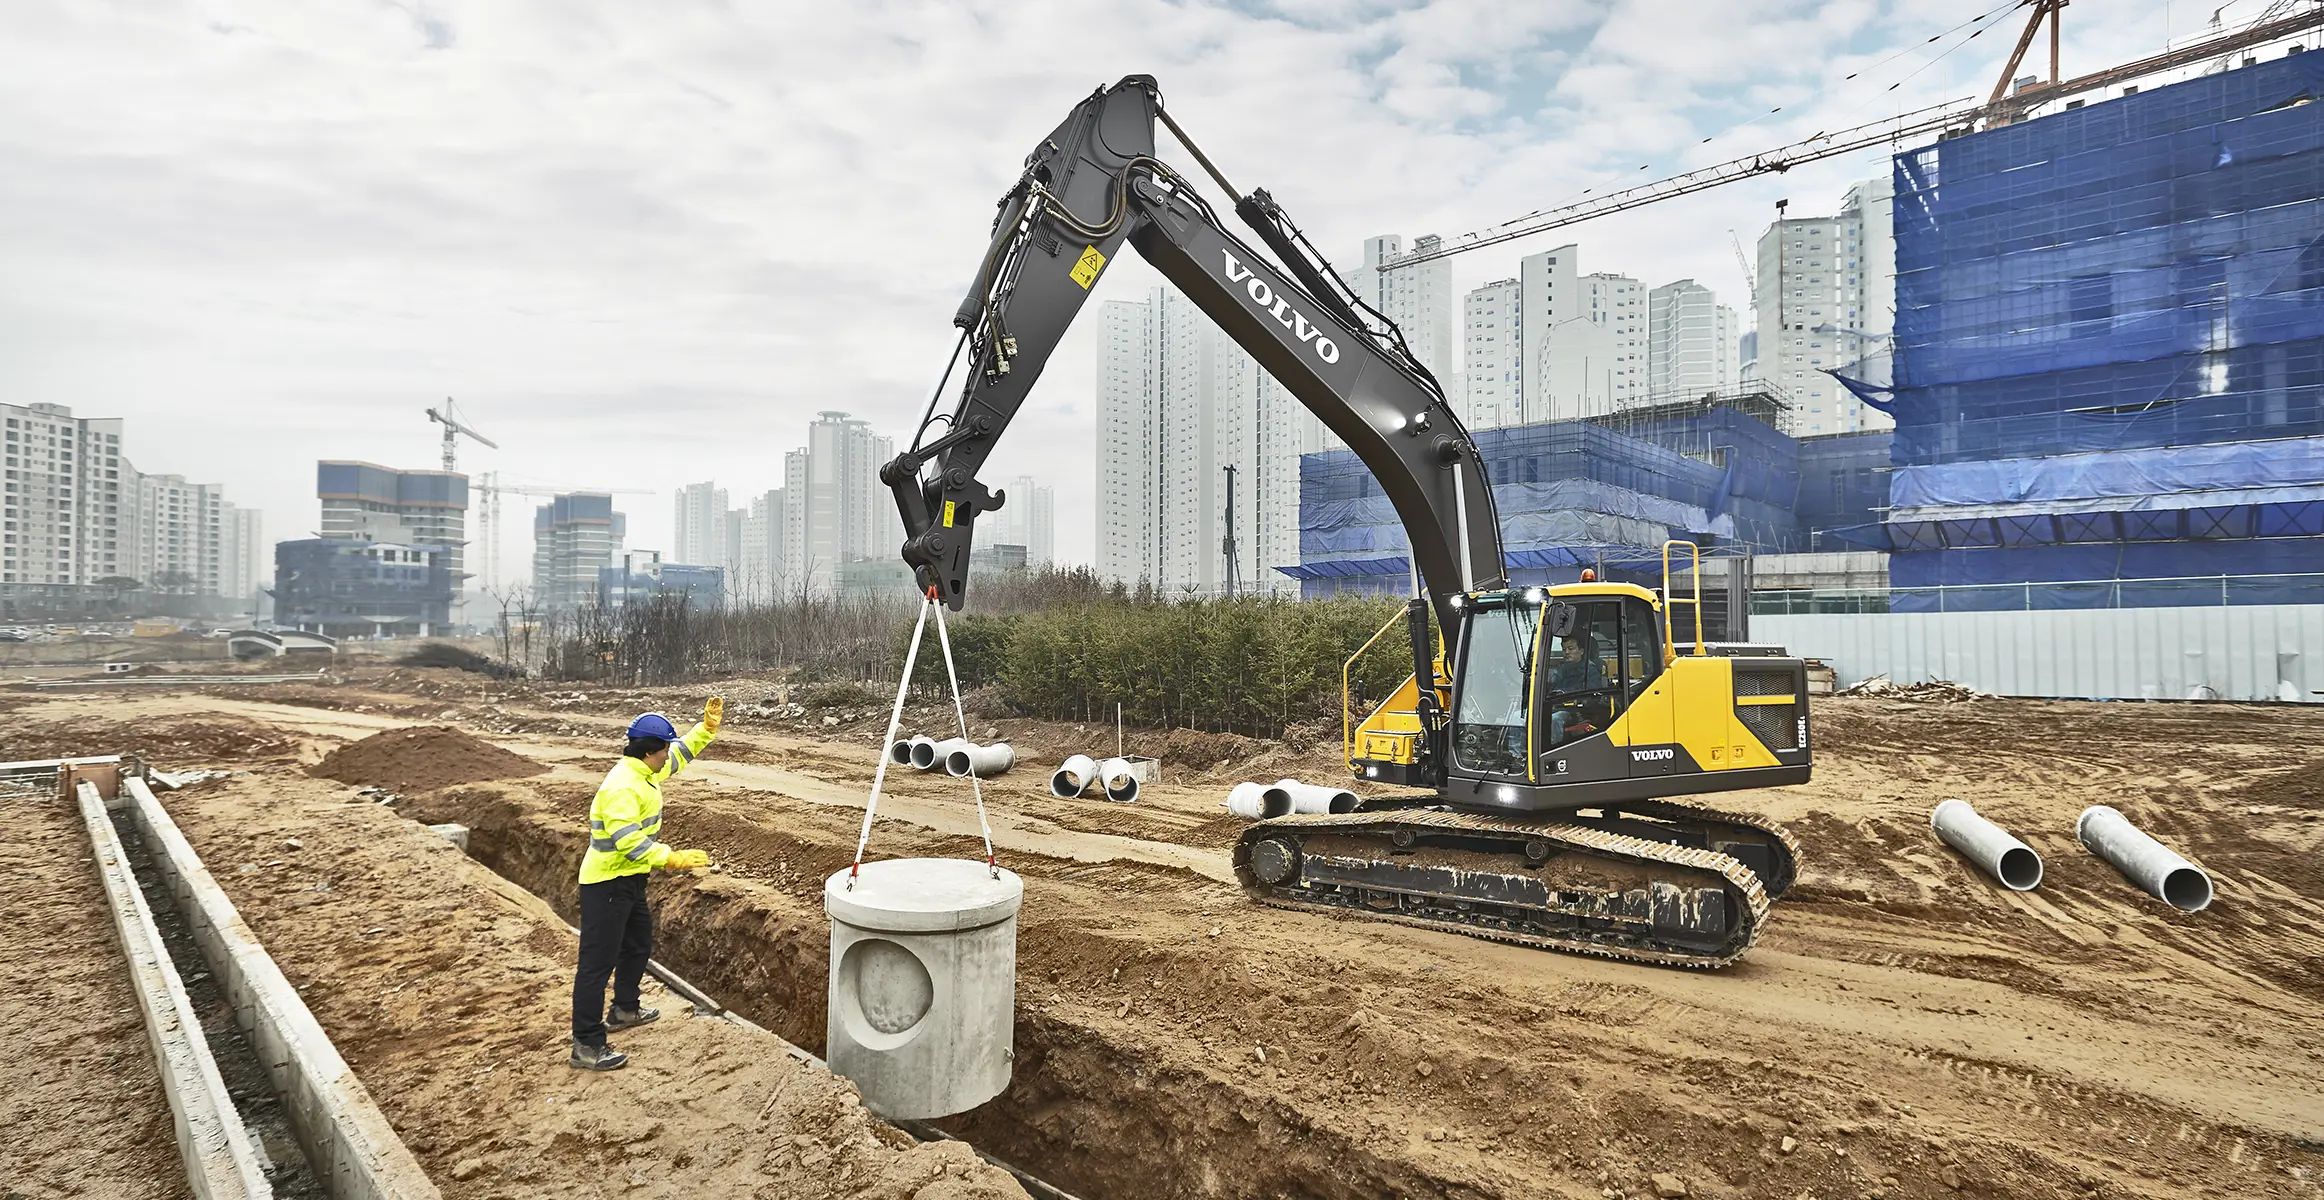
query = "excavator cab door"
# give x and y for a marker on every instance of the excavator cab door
(1580, 690)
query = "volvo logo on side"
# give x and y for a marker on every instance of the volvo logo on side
(1651, 755)
(1280, 309)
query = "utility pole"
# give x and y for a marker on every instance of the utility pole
(1227, 544)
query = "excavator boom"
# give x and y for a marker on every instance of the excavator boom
(1094, 184)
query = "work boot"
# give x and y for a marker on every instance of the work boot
(626, 1018)
(597, 1058)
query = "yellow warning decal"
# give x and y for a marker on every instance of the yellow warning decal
(948, 504)
(1085, 270)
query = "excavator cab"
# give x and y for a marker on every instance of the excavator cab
(1584, 694)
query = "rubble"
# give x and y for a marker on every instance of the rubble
(1931, 691)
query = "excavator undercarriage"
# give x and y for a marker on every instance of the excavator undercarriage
(1659, 882)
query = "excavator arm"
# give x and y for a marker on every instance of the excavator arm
(1094, 184)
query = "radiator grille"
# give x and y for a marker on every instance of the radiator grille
(1775, 725)
(1763, 683)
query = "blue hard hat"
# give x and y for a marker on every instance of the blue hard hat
(653, 725)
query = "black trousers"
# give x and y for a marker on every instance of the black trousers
(617, 937)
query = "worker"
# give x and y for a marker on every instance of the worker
(1576, 671)
(625, 845)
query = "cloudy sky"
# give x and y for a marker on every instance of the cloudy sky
(643, 243)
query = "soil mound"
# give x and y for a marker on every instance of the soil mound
(422, 758)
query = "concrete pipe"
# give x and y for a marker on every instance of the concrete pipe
(1988, 845)
(1258, 801)
(2154, 867)
(930, 755)
(984, 762)
(1315, 798)
(900, 750)
(1074, 777)
(1119, 781)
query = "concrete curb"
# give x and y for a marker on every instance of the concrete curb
(220, 1164)
(347, 1139)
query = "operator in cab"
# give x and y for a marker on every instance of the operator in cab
(1577, 670)
(625, 846)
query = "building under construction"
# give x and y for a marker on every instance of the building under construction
(2108, 385)
(2109, 368)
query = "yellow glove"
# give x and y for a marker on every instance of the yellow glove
(686, 860)
(713, 711)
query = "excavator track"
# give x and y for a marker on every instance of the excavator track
(1757, 842)
(1552, 884)
(1767, 848)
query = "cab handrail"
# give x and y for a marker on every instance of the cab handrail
(1671, 599)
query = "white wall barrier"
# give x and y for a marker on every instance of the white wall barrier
(2239, 652)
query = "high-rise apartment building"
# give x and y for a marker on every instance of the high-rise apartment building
(1690, 342)
(177, 534)
(1419, 299)
(243, 558)
(364, 502)
(794, 555)
(1028, 519)
(759, 564)
(1819, 278)
(1493, 350)
(835, 506)
(698, 530)
(1873, 202)
(62, 507)
(1553, 343)
(573, 536)
(1178, 404)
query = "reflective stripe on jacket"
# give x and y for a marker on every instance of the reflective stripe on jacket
(625, 820)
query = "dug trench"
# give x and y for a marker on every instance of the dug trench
(1086, 1111)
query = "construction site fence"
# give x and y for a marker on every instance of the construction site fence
(2260, 652)
(2190, 591)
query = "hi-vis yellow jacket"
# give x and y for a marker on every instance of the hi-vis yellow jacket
(625, 821)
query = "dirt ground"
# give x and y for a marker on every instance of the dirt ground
(83, 1109)
(1905, 1028)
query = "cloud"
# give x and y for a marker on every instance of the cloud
(644, 244)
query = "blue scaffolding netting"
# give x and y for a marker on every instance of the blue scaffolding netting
(2109, 358)
(1584, 493)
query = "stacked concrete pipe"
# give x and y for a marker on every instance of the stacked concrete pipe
(1988, 845)
(1316, 798)
(900, 750)
(1074, 777)
(984, 762)
(2155, 868)
(1258, 801)
(929, 756)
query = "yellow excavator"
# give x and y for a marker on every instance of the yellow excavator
(1550, 737)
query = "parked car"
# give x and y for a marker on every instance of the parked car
(15, 635)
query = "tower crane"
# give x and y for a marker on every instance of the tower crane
(453, 428)
(1750, 273)
(2004, 107)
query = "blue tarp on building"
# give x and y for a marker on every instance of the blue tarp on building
(2109, 358)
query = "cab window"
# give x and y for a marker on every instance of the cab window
(1641, 646)
(1581, 687)
(1494, 678)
